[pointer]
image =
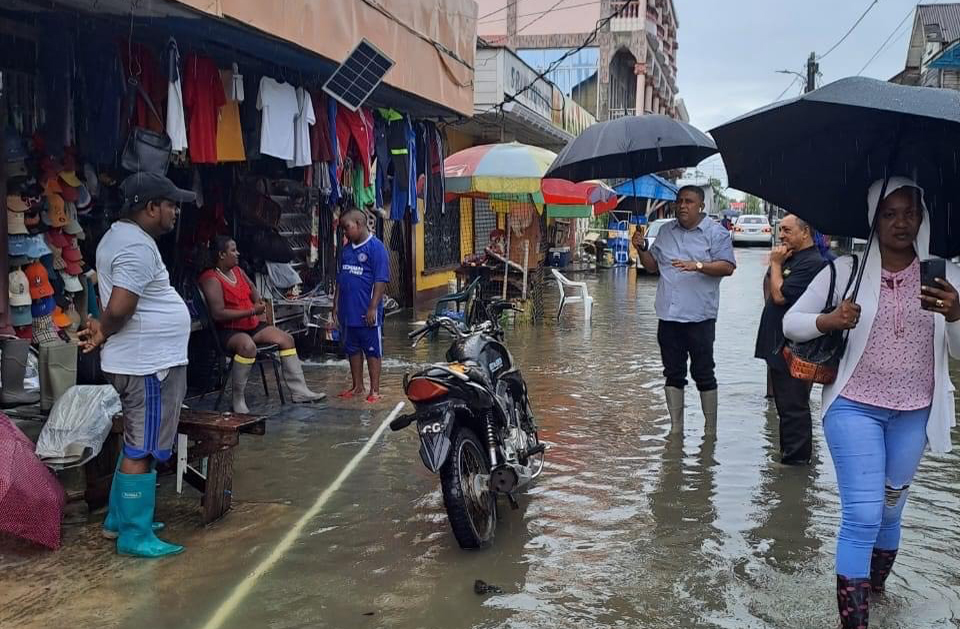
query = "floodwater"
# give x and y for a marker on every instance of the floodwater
(629, 526)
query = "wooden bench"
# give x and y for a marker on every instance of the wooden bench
(204, 458)
(213, 436)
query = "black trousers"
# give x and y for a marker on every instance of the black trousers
(792, 397)
(680, 342)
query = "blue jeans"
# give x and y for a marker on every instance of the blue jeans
(876, 452)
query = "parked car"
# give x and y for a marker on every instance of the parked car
(752, 229)
(652, 230)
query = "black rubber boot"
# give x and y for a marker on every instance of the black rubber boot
(853, 602)
(881, 564)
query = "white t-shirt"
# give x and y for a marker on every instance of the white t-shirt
(278, 102)
(156, 336)
(301, 139)
(176, 123)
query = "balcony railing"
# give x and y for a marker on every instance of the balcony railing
(621, 112)
(631, 18)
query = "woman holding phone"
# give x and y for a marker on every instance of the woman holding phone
(892, 396)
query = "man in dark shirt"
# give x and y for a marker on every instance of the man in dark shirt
(793, 265)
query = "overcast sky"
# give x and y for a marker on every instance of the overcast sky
(730, 50)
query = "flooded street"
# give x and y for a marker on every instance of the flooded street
(629, 526)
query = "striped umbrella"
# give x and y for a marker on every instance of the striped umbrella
(509, 171)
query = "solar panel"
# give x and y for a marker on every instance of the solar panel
(358, 75)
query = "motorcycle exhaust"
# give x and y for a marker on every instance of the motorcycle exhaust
(508, 477)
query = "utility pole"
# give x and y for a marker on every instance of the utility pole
(813, 68)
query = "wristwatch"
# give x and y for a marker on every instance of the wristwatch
(699, 266)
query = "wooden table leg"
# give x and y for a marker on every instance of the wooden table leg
(219, 487)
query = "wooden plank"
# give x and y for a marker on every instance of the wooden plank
(225, 422)
(218, 494)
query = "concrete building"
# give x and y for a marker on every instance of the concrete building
(933, 54)
(629, 68)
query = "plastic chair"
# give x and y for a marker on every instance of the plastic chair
(266, 352)
(583, 297)
(463, 298)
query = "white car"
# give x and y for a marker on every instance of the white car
(652, 230)
(752, 229)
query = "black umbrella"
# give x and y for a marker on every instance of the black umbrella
(816, 155)
(631, 146)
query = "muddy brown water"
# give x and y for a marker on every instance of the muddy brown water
(629, 526)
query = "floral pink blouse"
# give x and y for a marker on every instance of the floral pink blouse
(896, 369)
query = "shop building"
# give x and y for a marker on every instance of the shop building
(630, 69)
(539, 115)
(933, 51)
(237, 89)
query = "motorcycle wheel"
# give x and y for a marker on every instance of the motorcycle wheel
(472, 513)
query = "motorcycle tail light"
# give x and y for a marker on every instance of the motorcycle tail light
(421, 390)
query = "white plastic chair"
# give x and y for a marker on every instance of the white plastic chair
(583, 297)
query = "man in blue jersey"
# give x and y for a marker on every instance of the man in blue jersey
(358, 302)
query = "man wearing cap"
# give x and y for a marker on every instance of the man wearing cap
(144, 330)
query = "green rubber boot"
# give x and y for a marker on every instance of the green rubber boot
(137, 494)
(111, 524)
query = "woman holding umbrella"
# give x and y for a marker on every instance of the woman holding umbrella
(892, 396)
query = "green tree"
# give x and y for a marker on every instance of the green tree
(719, 194)
(753, 205)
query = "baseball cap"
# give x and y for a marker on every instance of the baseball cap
(58, 262)
(44, 332)
(15, 169)
(60, 318)
(16, 203)
(36, 247)
(39, 281)
(84, 200)
(58, 239)
(31, 218)
(18, 288)
(68, 192)
(19, 261)
(43, 307)
(25, 332)
(16, 224)
(71, 283)
(73, 225)
(73, 268)
(72, 254)
(18, 245)
(140, 188)
(20, 316)
(56, 214)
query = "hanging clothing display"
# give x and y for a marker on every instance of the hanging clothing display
(101, 96)
(355, 133)
(336, 151)
(305, 119)
(382, 155)
(229, 133)
(203, 96)
(402, 142)
(176, 123)
(320, 149)
(279, 109)
(139, 63)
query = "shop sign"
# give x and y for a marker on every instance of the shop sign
(538, 96)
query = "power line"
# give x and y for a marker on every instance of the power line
(569, 6)
(847, 34)
(591, 38)
(888, 40)
(503, 8)
(541, 16)
(786, 89)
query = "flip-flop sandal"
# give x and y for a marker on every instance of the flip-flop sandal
(346, 395)
(373, 398)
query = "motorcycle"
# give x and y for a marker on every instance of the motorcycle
(476, 427)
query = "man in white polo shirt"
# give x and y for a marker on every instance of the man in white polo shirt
(144, 329)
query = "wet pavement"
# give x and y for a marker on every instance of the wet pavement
(629, 526)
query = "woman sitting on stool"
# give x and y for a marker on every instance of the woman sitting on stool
(236, 306)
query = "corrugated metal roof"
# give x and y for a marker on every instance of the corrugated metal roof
(946, 16)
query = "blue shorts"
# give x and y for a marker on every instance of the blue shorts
(365, 340)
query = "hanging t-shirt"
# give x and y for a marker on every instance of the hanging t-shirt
(203, 96)
(176, 123)
(301, 134)
(229, 134)
(279, 107)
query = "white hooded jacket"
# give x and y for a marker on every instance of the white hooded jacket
(800, 322)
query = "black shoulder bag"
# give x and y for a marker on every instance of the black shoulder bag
(818, 360)
(145, 150)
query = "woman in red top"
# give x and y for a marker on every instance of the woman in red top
(236, 306)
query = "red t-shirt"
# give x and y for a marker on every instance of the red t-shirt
(235, 297)
(202, 98)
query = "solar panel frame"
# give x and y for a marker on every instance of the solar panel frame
(358, 76)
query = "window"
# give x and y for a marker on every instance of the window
(441, 236)
(753, 220)
(576, 76)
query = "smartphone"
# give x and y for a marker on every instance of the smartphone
(932, 269)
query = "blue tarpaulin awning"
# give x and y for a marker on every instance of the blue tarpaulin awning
(949, 59)
(648, 187)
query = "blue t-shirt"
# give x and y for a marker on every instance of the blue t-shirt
(361, 267)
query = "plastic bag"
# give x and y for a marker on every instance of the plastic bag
(78, 425)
